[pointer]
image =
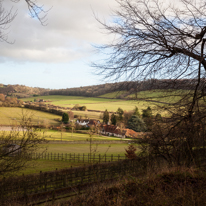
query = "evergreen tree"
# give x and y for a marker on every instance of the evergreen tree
(137, 124)
(65, 118)
(106, 117)
(147, 112)
(136, 111)
(158, 117)
(120, 113)
(147, 117)
(113, 119)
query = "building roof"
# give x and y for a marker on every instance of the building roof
(110, 128)
(130, 133)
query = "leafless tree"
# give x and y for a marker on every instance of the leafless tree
(7, 16)
(154, 39)
(159, 39)
(17, 145)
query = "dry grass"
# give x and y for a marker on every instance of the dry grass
(169, 187)
(179, 186)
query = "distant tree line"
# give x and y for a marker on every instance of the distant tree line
(22, 90)
(130, 87)
(6, 101)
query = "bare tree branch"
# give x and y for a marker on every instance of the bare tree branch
(153, 39)
(6, 17)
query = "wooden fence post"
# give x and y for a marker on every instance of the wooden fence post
(45, 181)
(53, 197)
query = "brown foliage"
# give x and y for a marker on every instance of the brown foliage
(167, 188)
(130, 152)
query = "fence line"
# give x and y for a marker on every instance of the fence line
(49, 182)
(93, 141)
(81, 158)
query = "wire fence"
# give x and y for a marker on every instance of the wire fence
(80, 158)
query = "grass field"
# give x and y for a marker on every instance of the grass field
(70, 100)
(45, 166)
(67, 136)
(113, 94)
(54, 135)
(88, 114)
(84, 148)
(99, 104)
(169, 96)
(12, 116)
(49, 165)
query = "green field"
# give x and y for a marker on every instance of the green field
(84, 148)
(113, 94)
(88, 114)
(10, 115)
(13, 115)
(61, 100)
(54, 135)
(50, 165)
(67, 136)
(168, 96)
(99, 104)
(45, 166)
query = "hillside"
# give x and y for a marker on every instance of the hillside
(20, 91)
(119, 90)
(122, 90)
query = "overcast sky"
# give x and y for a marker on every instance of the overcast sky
(57, 55)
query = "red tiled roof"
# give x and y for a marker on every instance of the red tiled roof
(130, 133)
(110, 128)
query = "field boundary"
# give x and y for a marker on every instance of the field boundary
(88, 142)
(51, 185)
(80, 158)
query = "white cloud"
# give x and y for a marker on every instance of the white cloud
(68, 36)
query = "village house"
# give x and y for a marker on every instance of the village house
(87, 122)
(112, 130)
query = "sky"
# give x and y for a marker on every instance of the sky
(59, 54)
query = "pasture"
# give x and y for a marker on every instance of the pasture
(49, 165)
(34, 167)
(85, 148)
(113, 94)
(99, 104)
(13, 115)
(168, 96)
(68, 136)
(54, 135)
